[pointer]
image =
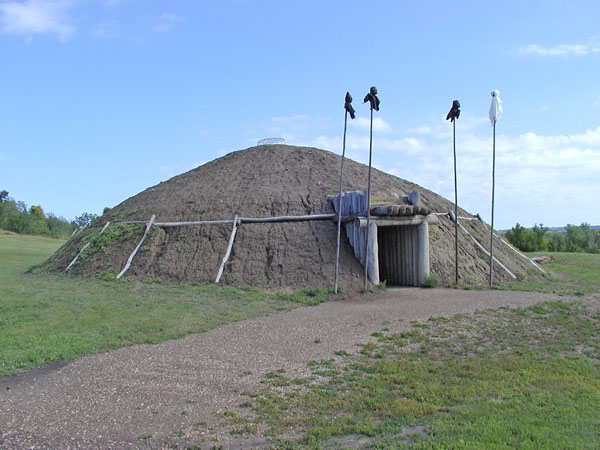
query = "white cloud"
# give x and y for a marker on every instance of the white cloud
(111, 29)
(423, 129)
(291, 120)
(36, 17)
(540, 178)
(167, 20)
(379, 124)
(562, 49)
(442, 129)
(295, 129)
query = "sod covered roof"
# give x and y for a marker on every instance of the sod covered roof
(264, 181)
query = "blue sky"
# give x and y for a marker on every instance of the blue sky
(101, 99)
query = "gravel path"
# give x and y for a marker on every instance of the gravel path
(170, 395)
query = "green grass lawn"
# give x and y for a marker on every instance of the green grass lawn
(509, 378)
(47, 318)
(496, 379)
(568, 274)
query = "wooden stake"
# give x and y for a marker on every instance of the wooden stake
(150, 222)
(228, 252)
(482, 248)
(78, 254)
(85, 246)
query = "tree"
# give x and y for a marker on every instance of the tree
(58, 227)
(3, 198)
(582, 239)
(528, 240)
(84, 220)
(540, 242)
(14, 216)
(37, 211)
(557, 242)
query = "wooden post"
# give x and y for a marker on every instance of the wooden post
(148, 225)
(492, 221)
(423, 252)
(482, 248)
(339, 218)
(368, 203)
(85, 246)
(455, 202)
(77, 256)
(228, 251)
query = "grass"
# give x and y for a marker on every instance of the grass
(48, 318)
(524, 378)
(568, 274)
(508, 378)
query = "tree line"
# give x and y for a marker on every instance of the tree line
(15, 216)
(578, 239)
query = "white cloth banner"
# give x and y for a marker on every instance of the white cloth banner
(495, 107)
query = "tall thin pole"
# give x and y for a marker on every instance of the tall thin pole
(453, 116)
(368, 203)
(455, 201)
(339, 218)
(493, 186)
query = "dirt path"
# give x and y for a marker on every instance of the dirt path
(170, 395)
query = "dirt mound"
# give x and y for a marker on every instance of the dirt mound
(264, 181)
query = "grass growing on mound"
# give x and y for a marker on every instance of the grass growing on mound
(524, 378)
(46, 318)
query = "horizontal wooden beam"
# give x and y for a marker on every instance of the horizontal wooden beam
(288, 218)
(381, 220)
(388, 221)
(239, 220)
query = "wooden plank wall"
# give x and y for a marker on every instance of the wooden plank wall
(354, 203)
(398, 251)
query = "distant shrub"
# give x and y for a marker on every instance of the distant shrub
(528, 239)
(16, 217)
(577, 239)
(84, 220)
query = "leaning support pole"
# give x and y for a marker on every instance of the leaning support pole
(77, 257)
(349, 109)
(86, 246)
(482, 248)
(228, 251)
(150, 222)
(510, 246)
